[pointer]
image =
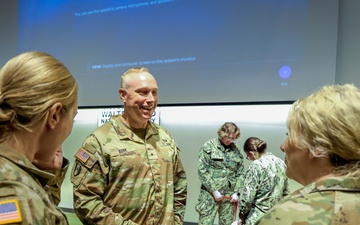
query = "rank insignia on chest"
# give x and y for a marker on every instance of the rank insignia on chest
(77, 169)
(10, 212)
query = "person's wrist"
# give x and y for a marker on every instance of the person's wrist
(216, 194)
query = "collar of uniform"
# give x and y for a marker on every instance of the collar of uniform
(125, 132)
(224, 148)
(329, 184)
(23, 162)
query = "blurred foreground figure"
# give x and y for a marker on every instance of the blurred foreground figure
(38, 103)
(322, 152)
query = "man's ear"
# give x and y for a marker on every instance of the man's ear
(54, 115)
(122, 93)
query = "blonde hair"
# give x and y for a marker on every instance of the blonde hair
(229, 128)
(327, 123)
(30, 83)
(136, 70)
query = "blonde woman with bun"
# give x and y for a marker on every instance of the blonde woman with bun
(38, 102)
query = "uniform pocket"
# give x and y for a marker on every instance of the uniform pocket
(78, 173)
(205, 204)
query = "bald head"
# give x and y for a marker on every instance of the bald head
(137, 73)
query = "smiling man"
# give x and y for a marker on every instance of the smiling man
(129, 171)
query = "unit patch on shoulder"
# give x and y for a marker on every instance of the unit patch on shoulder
(82, 155)
(10, 212)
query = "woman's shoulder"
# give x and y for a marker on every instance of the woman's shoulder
(28, 205)
(309, 209)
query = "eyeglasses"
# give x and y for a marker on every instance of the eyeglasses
(230, 138)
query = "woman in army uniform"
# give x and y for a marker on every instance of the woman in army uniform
(323, 154)
(38, 102)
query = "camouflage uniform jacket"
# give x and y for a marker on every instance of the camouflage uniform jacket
(330, 201)
(265, 184)
(29, 195)
(219, 168)
(120, 178)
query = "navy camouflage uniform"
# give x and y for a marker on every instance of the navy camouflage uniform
(218, 169)
(265, 184)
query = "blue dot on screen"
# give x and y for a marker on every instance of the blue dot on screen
(285, 72)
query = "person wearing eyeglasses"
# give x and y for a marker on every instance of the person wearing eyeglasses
(265, 182)
(221, 171)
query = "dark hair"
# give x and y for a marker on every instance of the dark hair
(254, 144)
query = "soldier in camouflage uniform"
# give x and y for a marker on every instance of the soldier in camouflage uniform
(129, 171)
(220, 171)
(322, 153)
(265, 182)
(38, 102)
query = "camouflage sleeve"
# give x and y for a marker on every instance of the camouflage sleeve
(308, 206)
(292, 212)
(55, 184)
(240, 174)
(180, 190)
(20, 204)
(205, 177)
(89, 178)
(249, 190)
(286, 191)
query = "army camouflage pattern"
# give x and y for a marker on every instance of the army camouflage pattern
(127, 180)
(265, 184)
(334, 201)
(218, 169)
(36, 191)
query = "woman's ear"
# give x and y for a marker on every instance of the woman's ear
(54, 115)
(312, 156)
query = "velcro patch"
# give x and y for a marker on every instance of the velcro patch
(82, 155)
(10, 212)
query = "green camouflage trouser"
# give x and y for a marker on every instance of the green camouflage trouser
(208, 208)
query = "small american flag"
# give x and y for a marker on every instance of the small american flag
(82, 155)
(9, 212)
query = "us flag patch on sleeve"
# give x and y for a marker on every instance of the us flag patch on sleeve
(10, 212)
(82, 155)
